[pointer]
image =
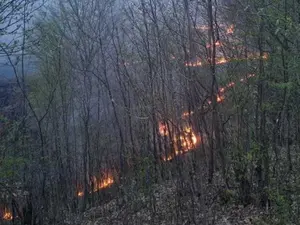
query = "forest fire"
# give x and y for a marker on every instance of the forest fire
(217, 44)
(202, 27)
(163, 130)
(193, 64)
(222, 90)
(265, 55)
(98, 184)
(185, 142)
(230, 29)
(104, 183)
(220, 98)
(188, 139)
(186, 114)
(7, 214)
(80, 193)
(221, 60)
(231, 84)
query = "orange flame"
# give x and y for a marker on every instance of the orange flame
(186, 114)
(168, 158)
(231, 84)
(7, 215)
(203, 27)
(221, 60)
(187, 142)
(101, 184)
(163, 130)
(220, 98)
(188, 139)
(193, 64)
(222, 90)
(230, 29)
(217, 44)
(265, 55)
(80, 193)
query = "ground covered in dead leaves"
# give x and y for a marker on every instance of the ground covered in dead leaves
(166, 204)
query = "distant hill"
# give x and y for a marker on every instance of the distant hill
(6, 71)
(10, 94)
(10, 100)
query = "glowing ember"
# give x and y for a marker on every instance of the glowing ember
(163, 130)
(203, 28)
(231, 84)
(218, 43)
(250, 75)
(7, 215)
(221, 60)
(230, 29)
(193, 64)
(194, 139)
(265, 55)
(80, 193)
(220, 98)
(168, 158)
(186, 114)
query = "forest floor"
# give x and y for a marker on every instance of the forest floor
(167, 211)
(175, 202)
(189, 199)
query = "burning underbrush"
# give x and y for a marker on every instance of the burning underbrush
(182, 140)
(179, 200)
(96, 184)
(198, 62)
(6, 214)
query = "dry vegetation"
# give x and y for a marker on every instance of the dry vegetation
(150, 112)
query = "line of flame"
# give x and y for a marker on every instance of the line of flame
(99, 184)
(187, 140)
(223, 60)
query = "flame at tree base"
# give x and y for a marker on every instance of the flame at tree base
(80, 193)
(7, 215)
(183, 143)
(98, 184)
(104, 183)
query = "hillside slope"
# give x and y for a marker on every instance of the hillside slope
(166, 204)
